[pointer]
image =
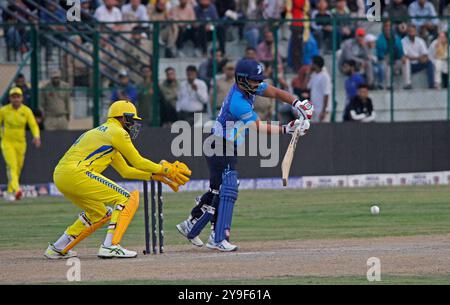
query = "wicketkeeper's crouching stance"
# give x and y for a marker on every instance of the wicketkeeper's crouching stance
(235, 117)
(78, 177)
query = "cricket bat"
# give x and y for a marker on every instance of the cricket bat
(288, 156)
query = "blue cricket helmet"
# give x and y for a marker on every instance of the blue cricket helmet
(248, 69)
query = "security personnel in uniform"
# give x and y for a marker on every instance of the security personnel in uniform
(55, 102)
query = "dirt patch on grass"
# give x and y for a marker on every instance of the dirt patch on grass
(416, 255)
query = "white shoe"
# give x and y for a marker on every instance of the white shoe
(53, 253)
(9, 196)
(184, 228)
(223, 246)
(115, 251)
(196, 241)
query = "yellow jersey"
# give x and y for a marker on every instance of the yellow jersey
(108, 144)
(13, 122)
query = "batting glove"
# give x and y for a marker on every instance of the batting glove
(293, 125)
(304, 109)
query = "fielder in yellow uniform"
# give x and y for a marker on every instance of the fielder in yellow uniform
(78, 176)
(13, 119)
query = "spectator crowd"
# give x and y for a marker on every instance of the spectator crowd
(413, 41)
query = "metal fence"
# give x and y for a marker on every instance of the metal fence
(95, 60)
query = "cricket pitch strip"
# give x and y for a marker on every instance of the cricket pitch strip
(399, 256)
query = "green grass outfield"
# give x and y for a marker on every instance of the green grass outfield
(259, 215)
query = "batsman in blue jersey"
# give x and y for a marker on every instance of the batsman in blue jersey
(235, 117)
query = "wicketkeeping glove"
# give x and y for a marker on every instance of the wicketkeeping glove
(178, 172)
(174, 186)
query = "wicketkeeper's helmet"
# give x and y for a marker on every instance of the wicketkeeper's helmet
(121, 108)
(128, 111)
(248, 69)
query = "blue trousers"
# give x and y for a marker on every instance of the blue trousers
(430, 71)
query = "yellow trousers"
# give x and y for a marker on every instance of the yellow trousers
(14, 155)
(91, 192)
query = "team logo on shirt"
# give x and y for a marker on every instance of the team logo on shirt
(260, 69)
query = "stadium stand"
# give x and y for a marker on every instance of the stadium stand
(130, 45)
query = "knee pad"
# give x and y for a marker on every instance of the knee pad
(208, 210)
(211, 205)
(228, 196)
(202, 203)
(90, 228)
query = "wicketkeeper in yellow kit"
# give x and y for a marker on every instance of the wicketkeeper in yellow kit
(78, 177)
(14, 117)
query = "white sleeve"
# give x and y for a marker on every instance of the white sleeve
(118, 15)
(405, 46)
(423, 47)
(181, 92)
(327, 86)
(202, 92)
(435, 21)
(144, 14)
(314, 25)
(97, 13)
(370, 118)
(411, 10)
(357, 117)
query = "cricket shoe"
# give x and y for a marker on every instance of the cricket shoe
(212, 237)
(115, 251)
(53, 253)
(184, 228)
(223, 246)
(9, 196)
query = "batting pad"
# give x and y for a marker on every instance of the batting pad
(90, 228)
(125, 217)
(228, 196)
